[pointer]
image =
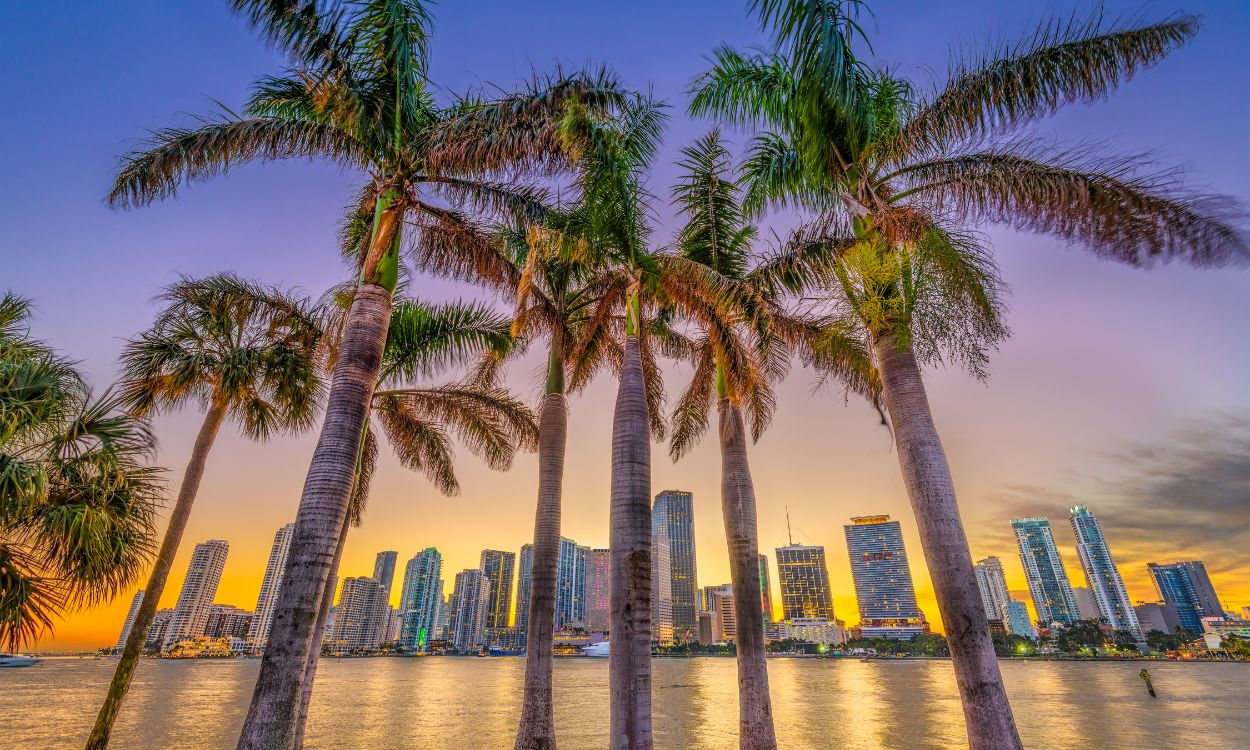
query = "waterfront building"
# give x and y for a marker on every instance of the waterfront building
(672, 519)
(598, 567)
(497, 566)
(661, 590)
(1018, 619)
(525, 577)
(1187, 586)
(394, 626)
(442, 625)
(1157, 616)
(804, 578)
(208, 560)
(707, 627)
(420, 599)
(384, 570)
(1044, 571)
(1226, 626)
(504, 639)
(719, 601)
(227, 621)
(1101, 573)
(131, 614)
(883, 585)
(270, 587)
(1086, 607)
(571, 585)
(816, 631)
(993, 586)
(470, 600)
(160, 626)
(766, 599)
(360, 620)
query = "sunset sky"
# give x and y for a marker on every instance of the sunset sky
(1121, 389)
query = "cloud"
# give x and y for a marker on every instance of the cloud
(1184, 498)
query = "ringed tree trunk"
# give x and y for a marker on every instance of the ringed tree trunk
(135, 642)
(932, 492)
(537, 726)
(629, 657)
(314, 652)
(273, 713)
(755, 711)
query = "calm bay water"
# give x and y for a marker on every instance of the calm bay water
(448, 702)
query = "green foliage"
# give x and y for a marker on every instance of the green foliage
(1010, 644)
(928, 644)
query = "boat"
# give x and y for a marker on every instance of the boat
(14, 660)
(596, 650)
(496, 651)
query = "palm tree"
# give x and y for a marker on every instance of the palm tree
(357, 97)
(77, 499)
(736, 373)
(891, 173)
(238, 350)
(423, 340)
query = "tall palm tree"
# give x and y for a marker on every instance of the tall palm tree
(423, 340)
(77, 498)
(891, 174)
(736, 374)
(356, 96)
(240, 351)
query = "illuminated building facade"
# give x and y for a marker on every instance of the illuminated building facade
(804, 577)
(1101, 573)
(883, 585)
(1043, 569)
(420, 599)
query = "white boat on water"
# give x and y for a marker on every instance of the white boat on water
(597, 650)
(13, 660)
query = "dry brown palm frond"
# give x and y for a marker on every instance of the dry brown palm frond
(451, 244)
(364, 478)
(690, 416)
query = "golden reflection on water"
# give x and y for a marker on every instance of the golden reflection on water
(474, 703)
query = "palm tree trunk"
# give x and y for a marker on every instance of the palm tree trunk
(537, 728)
(629, 658)
(755, 711)
(314, 652)
(270, 723)
(137, 639)
(932, 492)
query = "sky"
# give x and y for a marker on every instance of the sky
(1121, 389)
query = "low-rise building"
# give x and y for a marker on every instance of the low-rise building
(816, 631)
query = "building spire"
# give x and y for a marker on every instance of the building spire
(788, 533)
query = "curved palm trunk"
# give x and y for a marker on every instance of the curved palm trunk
(537, 728)
(314, 652)
(629, 658)
(135, 642)
(755, 710)
(927, 476)
(270, 723)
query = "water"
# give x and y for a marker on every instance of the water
(451, 702)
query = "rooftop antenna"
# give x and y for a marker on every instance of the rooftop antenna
(788, 533)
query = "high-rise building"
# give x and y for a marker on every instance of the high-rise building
(804, 578)
(524, 582)
(133, 613)
(1157, 616)
(1018, 619)
(766, 599)
(719, 600)
(1187, 586)
(271, 586)
(498, 567)
(1044, 571)
(883, 585)
(160, 626)
(227, 621)
(598, 567)
(471, 600)
(384, 570)
(198, 589)
(1101, 573)
(1086, 607)
(361, 618)
(420, 598)
(661, 589)
(442, 622)
(993, 586)
(570, 584)
(672, 518)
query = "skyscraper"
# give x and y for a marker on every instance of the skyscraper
(524, 578)
(672, 518)
(498, 567)
(661, 589)
(472, 599)
(883, 585)
(1187, 585)
(270, 587)
(1044, 571)
(570, 584)
(1101, 573)
(361, 618)
(1086, 607)
(719, 600)
(598, 564)
(227, 621)
(804, 578)
(766, 599)
(1018, 619)
(384, 571)
(420, 598)
(203, 574)
(135, 603)
(993, 586)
